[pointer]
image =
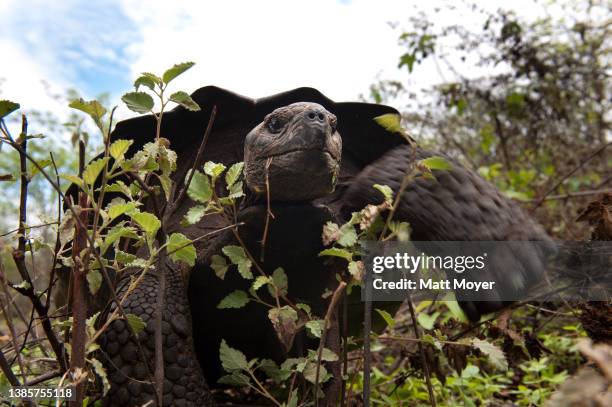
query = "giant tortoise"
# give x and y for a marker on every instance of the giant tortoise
(321, 159)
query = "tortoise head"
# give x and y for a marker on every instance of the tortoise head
(298, 148)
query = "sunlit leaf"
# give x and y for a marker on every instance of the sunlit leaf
(138, 102)
(183, 99)
(176, 70)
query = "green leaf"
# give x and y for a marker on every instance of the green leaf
(495, 354)
(7, 107)
(93, 169)
(310, 373)
(135, 322)
(117, 208)
(391, 122)
(386, 191)
(94, 280)
(237, 256)
(279, 278)
(387, 317)
(73, 179)
(232, 359)
(348, 235)
(99, 369)
(92, 107)
(236, 299)
(232, 175)
(118, 149)
(123, 257)
(219, 265)
(336, 252)
(235, 379)
(176, 70)
(147, 222)
(35, 169)
(259, 282)
(213, 169)
(437, 163)
(194, 214)
(181, 248)
(183, 99)
(236, 190)
(427, 321)
(148, 80)
(315, 327)
(138, 102)
(199, 188)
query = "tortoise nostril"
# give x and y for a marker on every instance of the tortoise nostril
(320, 116)
(311, 115)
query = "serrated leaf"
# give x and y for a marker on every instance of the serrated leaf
(219, 265)
(232, 175)
(386, 191)
(73, 179)
(284, 320)
(124, 258)
(495, 354)
(232, 359)
(236, 299)
(118, 149)
(315, 327)
(391, 122)
(147, 222)
(35, 169)
(135, 322)
(387, 317)
(92, 107)
(144, 80)
(436, 163)
(94, 280)
(259, 282)
(118, 209)
(138, 102)
(194, 214)
(336, 252)
(236, 190)
(176, 70)
(117, 233)
(183, 99)
(235, 379)
(199, 188)
(279, 278)
(181, 248)
(348, 235)
(238, 256)
(213, 169)
(93, 169)
(99, 370)
(310, 372)
(7, 107)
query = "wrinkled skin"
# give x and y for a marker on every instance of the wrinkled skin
(299, 147)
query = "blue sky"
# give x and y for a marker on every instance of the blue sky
(256, 48)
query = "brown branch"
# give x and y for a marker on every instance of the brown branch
(269, 213)
(80, 257)
(328, 315)
(197, 162)
(417, 334)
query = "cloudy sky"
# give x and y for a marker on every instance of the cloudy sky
(255, 48)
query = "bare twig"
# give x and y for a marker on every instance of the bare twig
(197, 162)
(269, 213)
(326, 322)
(417, 334)
(569, 174)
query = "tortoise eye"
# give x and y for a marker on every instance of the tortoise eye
(274, 125)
